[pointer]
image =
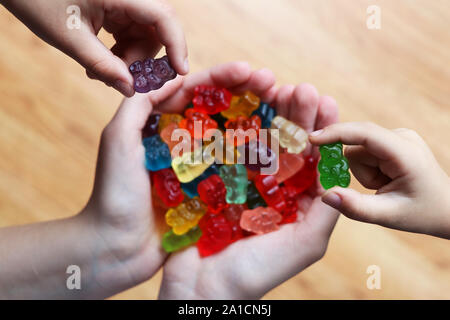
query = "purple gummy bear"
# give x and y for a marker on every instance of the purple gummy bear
(151, 74)
(263, 155)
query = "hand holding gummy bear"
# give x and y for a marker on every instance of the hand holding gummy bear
(140, 29)
(411, 188)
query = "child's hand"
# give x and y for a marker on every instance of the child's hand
(139, 27)
(251, 267)
(412, 189)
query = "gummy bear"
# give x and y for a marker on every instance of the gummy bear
(168, 118)
(270, 191)
(187, 168)
(290, 212)
(333, 166)
(232, 214)
(216, 235)
(158, 205)
(210, 99)
(256, 155)
(191, 187)
(236, 181)
(306, 177)
(151, 126)
(183, 144)
(242, 106)
(238, 137)
(292, 136)
(205, 123)
(260, 220)
(186, 215)
(172, 242)
(288, 165)
(254, 199)
(212, 192)
(168, 187)
(152, 74)
(266, 113)
(157, 153)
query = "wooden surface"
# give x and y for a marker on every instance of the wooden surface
(51, 117)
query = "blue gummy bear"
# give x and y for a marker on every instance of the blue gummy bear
(157, 153)
(190, 188)
(266, 113)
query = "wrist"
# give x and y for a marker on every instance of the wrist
(132, 256)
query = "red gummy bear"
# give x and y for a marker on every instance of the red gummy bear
(232, 214)
(210, 99)
(270, 191)
(168, 187)
(260, 220)
(193, 116)
(306, 177)
(243, 123)
(290, 212)
(216, 234)
(212, 191)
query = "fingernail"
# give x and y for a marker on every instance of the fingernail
(125, 88)
(332, 199)
(316, 133)
(186, 65)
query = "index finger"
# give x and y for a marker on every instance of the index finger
(161, 15)
(379, 141)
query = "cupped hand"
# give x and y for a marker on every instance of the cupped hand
(120, 207)
(251, 267)
(140, 28)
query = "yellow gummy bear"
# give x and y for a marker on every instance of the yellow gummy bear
(242, 106)
(186, 215)
(291, 136)
(168, 118)
(190, 165)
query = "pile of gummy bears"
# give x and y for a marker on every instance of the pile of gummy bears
(215, 203)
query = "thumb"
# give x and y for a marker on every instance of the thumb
(102, 64)
(377, 209)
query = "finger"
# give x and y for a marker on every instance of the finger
(365, 168)
(160, 15)
(326, 115)
(260, 83)
(102, 64)
(377, 209)
(132, 50)
(226, 75)
(130, 119)
(381, 142)
(283, 98)
(411, 136)
(320, 219)
(304, 106)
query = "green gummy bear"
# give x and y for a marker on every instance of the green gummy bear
(235, 179)
(333, 166)
(172, 242)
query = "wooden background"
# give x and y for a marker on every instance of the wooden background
(51, 117)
